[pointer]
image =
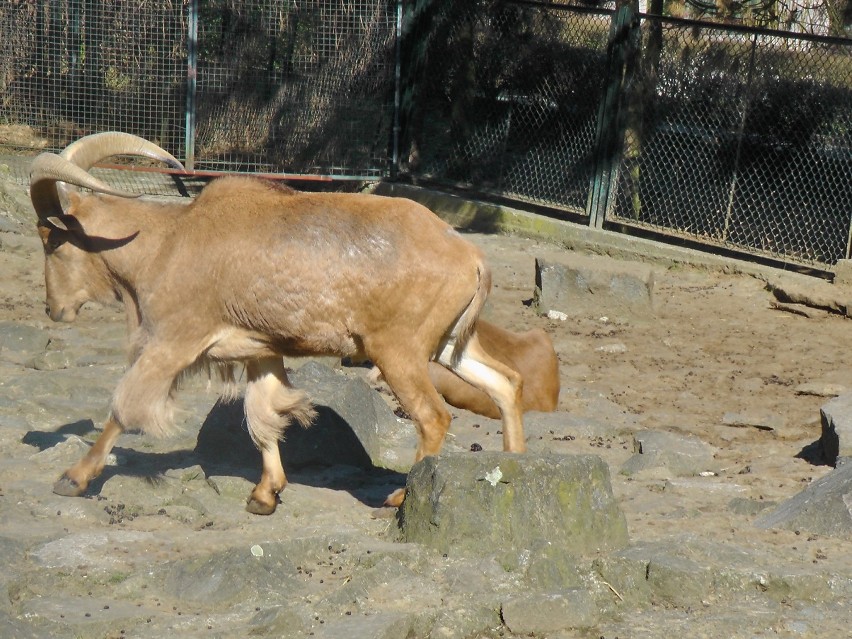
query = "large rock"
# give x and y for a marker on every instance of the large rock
(354, 427)
(487, 503)
(836, 439)
(388, 441)
(542, 613)
(588, 284)
(824, 507)
(19, 342)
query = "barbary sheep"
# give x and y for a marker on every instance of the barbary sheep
(249, 272)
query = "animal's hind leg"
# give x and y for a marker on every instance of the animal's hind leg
(411, 384)
(501, 383)
(270, 405)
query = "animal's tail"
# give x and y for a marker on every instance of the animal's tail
(467, 321)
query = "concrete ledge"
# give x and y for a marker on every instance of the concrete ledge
(487, 217)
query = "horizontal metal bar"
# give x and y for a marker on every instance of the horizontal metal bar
(212, 174)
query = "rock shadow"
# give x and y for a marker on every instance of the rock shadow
(814, 454)
(326, 454)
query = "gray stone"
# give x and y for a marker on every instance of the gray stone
(281, 621)
(824, 507)
(836, 438)
(15, 207)
(626, 574)
(541, 613)
(843, 273)
(50, 361)
(683, 455)
(388, 440)
(492, 502)
(748, 507)
(471, 620)
(354, 427)
(231, 575)
(551, 567)
(19, 343)
(87, 549)
(386, 625)
(679, 580)
(586, 285)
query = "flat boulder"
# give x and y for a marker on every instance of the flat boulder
(495, 502)
(681, 455)
(824, 507)
(586, 285)
(836, 438)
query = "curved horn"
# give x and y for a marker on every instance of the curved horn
(87, 151)
(48, 169)
(49, 172)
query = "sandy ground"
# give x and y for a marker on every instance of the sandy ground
(715, 359)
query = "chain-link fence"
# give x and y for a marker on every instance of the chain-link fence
(76, 67)
(248, 85)
(302, 87)
(504, 97)
(733, 136)
(739, 138)
(730, 136)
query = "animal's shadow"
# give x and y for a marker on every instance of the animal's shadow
(327, 454)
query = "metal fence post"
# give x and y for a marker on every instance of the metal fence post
(191, 76)
(729, 211)
(397, 89)
(624, 22)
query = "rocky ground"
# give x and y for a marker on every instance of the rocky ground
(720, 387)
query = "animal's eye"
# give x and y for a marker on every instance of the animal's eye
(53, 238)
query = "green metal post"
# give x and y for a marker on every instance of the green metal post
(608, 136)
(191, 75)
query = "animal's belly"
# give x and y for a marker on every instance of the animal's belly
(239, 344)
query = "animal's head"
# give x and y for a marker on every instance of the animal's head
(74, 273)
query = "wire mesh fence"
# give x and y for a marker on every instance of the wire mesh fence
(75, 67)
(505, 98)
(261, 86)
(297, 87)
(739, 138)
(725, 135)
(731, 136)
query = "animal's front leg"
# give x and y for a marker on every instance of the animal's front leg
(140, 401)
(75, 480)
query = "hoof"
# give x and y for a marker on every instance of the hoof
(256, 507)
(396, 498)
(68, 487)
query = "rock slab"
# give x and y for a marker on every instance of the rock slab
(836, 439)
(587, 285)
(824, 507)
(682, 455)
(486, 503)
